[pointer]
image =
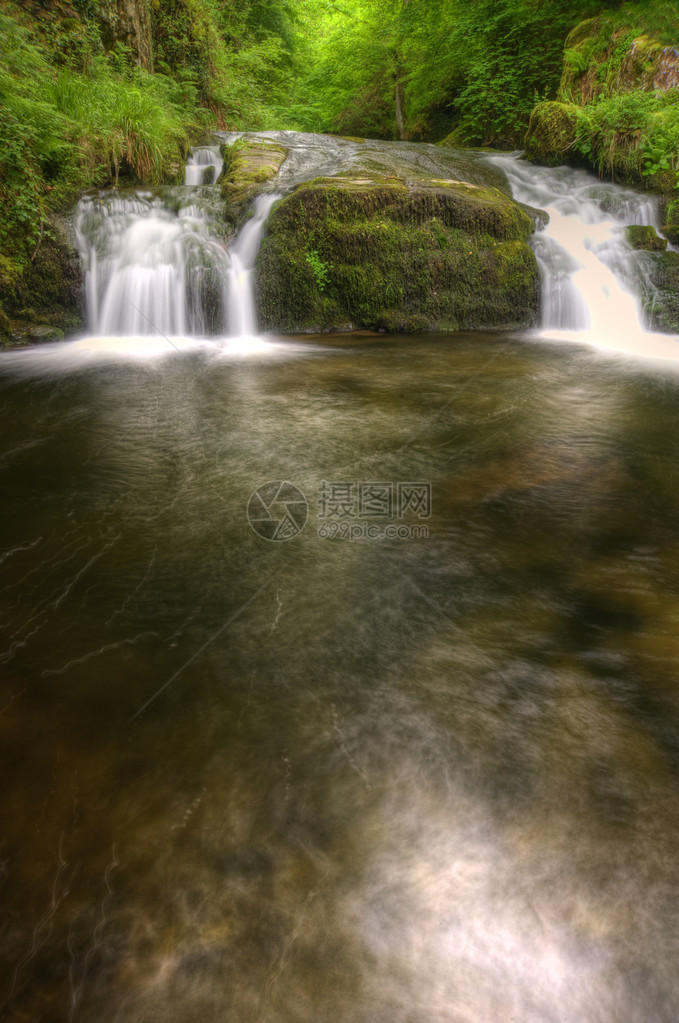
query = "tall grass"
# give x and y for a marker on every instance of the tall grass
(133, 121)
(64, 130)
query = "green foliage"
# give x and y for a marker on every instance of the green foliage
(623, 111)
(476, 67)
(319, 268)
(235, 57)
(64, 130)
(78, 113)
(631, 136)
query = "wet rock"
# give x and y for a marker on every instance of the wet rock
(385, 255)
(660, 291)
(551, 134)
(249, 165)
(48, 295)
(644, 237)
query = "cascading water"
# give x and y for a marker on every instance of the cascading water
(203, 166)
(158, 264)
(592, 279)
(241, 317)
(151, 267)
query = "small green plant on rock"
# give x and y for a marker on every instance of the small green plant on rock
(319, 268)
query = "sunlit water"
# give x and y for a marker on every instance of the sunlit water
(419, 779)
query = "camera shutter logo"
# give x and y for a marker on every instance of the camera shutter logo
(277, 510)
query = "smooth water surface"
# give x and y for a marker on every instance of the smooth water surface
(417, 778)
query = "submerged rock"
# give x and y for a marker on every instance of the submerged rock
(373, 252)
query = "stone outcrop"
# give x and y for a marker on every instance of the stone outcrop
(46, 301)
(356, 252)
(250, 164)
(645, 237)
(600, 61)
(661, 291)
(127, 22)
(551, 134)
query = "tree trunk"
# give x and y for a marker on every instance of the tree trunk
(400, 97)
(399, 88)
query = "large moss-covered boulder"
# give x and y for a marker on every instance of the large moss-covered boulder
(551, 134)
(250, 164)
(348, 252)
(620, 52)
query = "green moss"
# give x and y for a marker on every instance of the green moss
(587, 29)
(5, 329)
(661, 291)
(442, 257)
(552, 132)
(48, 292)
(642, 237)
(670, 215)
(249, 165)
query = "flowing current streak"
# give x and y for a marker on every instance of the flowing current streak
(204, 159)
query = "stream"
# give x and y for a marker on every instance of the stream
(339, 673)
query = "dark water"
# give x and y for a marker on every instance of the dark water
(416, 779)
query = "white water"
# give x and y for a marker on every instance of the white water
(159, 267)
(591, 276)
(240, 303)
(151, 268)
(205, 159)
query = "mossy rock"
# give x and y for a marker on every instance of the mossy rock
(669, 209)
(643, 237)
(587, 29)
(551, 134)
(48, 292)
(661, 291)
(456, 139)
(249, 166)
(5, 329)
(384, 256)
(671, 232)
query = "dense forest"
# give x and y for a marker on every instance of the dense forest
(100, 91)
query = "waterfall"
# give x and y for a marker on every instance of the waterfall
(152, 266)
(240, 302)
(591, 276)
(158, 264)
(203, 166)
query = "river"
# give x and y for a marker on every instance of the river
(339, 681)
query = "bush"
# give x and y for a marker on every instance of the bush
(632, 136)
